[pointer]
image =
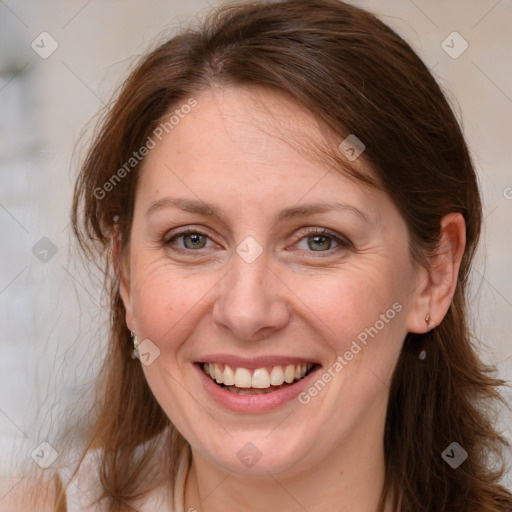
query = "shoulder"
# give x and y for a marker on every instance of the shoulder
(57, 488)
(81, 480)
(27, 494)
(74, 485)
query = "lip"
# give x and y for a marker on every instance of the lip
(254, 404)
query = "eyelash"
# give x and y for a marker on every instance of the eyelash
(343, 243)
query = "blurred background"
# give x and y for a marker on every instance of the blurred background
(60, 62)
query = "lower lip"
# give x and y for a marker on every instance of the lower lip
(254, 403)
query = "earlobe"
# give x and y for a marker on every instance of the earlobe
(436, 286)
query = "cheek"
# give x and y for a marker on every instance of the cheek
(360, 313)
(362, 319)
(347, 301)
(164, 304)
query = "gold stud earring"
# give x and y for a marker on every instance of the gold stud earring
(427, 319)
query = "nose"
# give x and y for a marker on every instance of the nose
(252, 300)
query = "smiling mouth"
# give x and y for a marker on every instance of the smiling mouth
(259, 381)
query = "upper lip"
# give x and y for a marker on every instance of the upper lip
(253, 363)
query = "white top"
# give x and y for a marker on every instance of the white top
(85, 486)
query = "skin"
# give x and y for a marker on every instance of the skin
(236, 151)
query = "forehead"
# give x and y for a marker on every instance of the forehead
(239, 144)
(252, 125)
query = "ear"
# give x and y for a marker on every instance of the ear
(122, 271)
(435, 286)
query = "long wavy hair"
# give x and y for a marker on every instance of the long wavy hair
(355, 75)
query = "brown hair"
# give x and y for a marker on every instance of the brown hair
(356, 75)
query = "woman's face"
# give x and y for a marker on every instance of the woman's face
(290, 268)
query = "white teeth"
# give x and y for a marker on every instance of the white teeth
(277, 376)
(229, 376)
(243, 378)
(258, 379)
(218, 373)
(289, 373)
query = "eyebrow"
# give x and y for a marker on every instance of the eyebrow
(202, 208)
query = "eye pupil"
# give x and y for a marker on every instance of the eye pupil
(323, 241)
(195, 239)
